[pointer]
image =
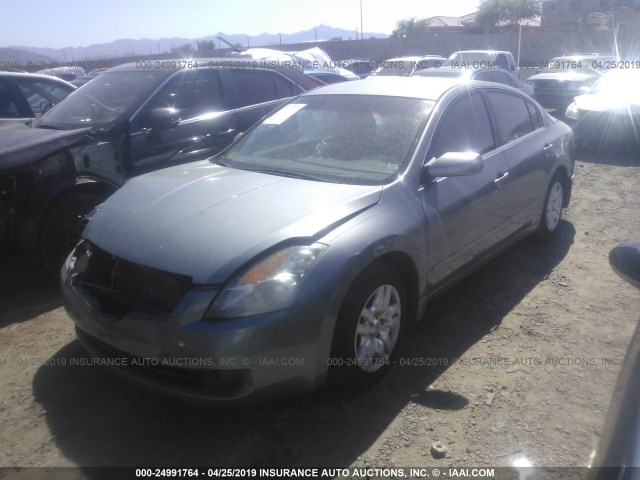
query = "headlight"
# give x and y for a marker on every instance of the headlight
(572, 111)
(269, 285)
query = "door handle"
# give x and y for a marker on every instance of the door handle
(501, 176)
(227, 132)
(547, 147)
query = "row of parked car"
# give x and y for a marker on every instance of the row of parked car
(594, 93)
(318, 233)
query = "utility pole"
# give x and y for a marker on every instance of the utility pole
(361, 29)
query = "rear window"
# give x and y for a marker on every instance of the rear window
(255, 86)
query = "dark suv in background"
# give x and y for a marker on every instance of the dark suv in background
(132, 119)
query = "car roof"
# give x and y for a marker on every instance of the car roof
(169, 67)
(480, 51)
(584, 56)
(427, 88)
(172, 65)
(412, 58)
(37, 76)
(462, 70)
(592, 54)
(322, 72)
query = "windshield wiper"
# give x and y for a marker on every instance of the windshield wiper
(49, 127)
(282, 173)
(219, 160)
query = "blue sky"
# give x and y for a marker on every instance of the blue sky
(76, 23)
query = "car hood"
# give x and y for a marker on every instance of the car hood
(20, 145)
(207, 221)
(608, 103)
(564, 76)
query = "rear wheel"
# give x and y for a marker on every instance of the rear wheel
(368, 328)
(552, 210)
(61, 228)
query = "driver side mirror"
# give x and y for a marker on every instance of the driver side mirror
(164, 118)
(453, 164)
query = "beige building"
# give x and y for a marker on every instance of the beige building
(587, 14)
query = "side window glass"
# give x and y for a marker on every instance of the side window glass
(535, 117)
(41, 96)
(465, 127)
(284, 87)
(8, 106)
(54, 90)
(512, 115)
(193, 93)
(501, 61)
(253, 87)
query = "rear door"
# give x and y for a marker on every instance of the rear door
(206, 123)
(521, 133)
(466, 214)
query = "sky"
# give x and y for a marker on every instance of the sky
(79, 23)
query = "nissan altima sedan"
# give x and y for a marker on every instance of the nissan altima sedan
(301, 254)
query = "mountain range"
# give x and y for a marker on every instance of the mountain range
(145, 46)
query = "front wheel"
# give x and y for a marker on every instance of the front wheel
(368, 328)
(552, 210)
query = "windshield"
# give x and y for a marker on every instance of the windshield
(107, 99)
(354, 139)
(568, 64)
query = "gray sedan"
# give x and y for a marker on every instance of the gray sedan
(302, 253)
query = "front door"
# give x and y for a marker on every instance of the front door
(204, 124)
(466, 214)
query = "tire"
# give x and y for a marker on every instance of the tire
(61, 228)
(364, 342)
(552, 209)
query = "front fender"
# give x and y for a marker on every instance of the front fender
(357, 244)
(45, 194)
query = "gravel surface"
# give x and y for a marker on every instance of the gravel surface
(519, 360)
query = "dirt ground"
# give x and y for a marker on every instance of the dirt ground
(519, 360)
